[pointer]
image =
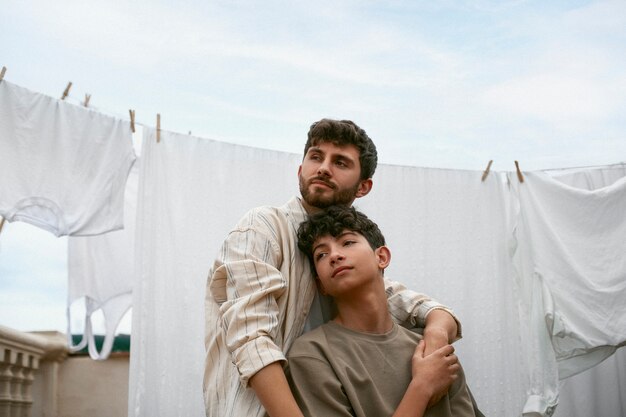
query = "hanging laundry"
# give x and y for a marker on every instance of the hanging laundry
(192, 191)
(100, 273)
(447, 233)
(591, 178)
(568, 253)
(596, 391)
(63, 167)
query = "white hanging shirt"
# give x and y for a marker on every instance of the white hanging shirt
(63, 167)
(569, 254)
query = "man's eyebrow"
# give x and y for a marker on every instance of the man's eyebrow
(315, 149)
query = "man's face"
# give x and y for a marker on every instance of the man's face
(330, 175)
(346, 262)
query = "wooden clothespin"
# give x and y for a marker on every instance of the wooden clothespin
(158, 132)
(66, 91)
(87, 98)
(487, 170)
(520, 177)
(2, 219)
(2, 72)
(132, 120)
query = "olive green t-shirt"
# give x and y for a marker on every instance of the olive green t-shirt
(335, 371)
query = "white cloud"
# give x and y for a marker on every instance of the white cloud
(553, 98)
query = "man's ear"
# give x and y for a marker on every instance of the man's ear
(365, 186)
(299, 170)
(383, 255)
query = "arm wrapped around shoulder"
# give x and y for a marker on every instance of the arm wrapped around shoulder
(411, 309)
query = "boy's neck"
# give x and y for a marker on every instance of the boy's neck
(367, 313)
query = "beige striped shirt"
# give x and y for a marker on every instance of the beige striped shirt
(259, 294)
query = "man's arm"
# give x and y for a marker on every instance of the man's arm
(412, 309)
(246, 283)
(270, 385)
(441, 329)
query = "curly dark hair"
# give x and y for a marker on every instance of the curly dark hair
(345, 132)
(333, 221)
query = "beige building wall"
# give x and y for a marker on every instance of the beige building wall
(94, 388)
(39, 379)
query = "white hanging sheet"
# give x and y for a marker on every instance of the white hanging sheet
(192, 192)
(446, 233)
(446, 230)
(571, 274)
(63, 167)
(598, 391)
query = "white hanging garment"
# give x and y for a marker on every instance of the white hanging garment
(568, 253)
(63, 166)
(590, 178)
(597, 391)
(100, 273)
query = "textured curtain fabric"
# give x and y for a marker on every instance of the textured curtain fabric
(449, 234)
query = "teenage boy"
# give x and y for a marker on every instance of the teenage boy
(260, 292)
(356, 364)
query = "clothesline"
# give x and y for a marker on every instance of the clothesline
(134, 121)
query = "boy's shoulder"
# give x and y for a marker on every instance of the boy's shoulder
(312, 343)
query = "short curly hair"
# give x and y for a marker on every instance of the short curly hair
(333, 221)
(345, 132)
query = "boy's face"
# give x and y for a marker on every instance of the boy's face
(347, 262)
(330, 175)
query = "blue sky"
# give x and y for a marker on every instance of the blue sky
(442, 84)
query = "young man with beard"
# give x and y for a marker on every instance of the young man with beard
(260, 292)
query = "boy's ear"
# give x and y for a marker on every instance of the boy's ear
(383, 255)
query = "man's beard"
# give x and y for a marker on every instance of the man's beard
(339, 196)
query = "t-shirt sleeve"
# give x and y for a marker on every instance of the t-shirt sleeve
(461, 401)
(316, 388)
